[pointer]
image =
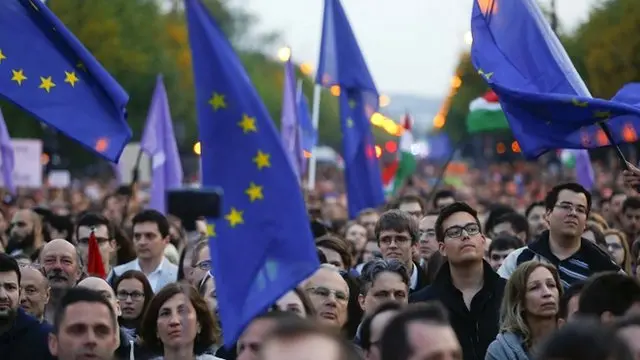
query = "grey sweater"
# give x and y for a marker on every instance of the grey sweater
(507, 346)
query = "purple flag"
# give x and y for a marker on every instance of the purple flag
(584, 171)
(6, 153)
(289, 126)
(159, 142)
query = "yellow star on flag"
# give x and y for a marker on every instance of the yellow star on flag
(46, 83)
(262, 160)
(255, 192)
(217, 101)
(18, 76)
(2, 56)
(71, 78)
(602, 114)
(349, 123)
(211, 230)
(579, 103)
(484, 74)
(352, 103)
(248, 124)
(234, 217)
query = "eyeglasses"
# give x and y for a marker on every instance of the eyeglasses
(568, 207)
(135, 295)
(614, 246)
(325, 292)
(204, 265)
(455, 232)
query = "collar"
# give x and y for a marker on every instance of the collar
(588, 252)
(413, 280)
(443, 278)
(157, 270)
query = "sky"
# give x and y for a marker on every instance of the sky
(411, 46)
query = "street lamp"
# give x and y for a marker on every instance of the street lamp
(284, 54)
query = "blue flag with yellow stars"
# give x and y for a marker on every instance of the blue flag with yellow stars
(342, 64)
(46, 71)
(547, 104)
(262, 246)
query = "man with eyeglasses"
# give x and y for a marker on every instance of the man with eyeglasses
(576, 258)
(428, 244)
(34, 291)
(466, 285)
(105, 236)
(329, 294)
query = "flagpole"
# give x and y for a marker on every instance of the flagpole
(315, 120)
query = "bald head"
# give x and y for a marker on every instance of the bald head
(61, 264)
(100, 285)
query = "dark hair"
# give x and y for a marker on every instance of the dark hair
(155, 217)
(532, 206)
(399, 221)
(365, 328)
(80, 294)
(9, 264)
(394, 343)
(125, 251)
(354, 310)
(518, 222)
(372, 269)
(442, 194)
(209, 334)
(626, 322)
(631, 203)
(584, 339)
(449, 210)
(505, 242)
(294, 329)
(91, 219)
(321, 256)
(338, 245)
(495, 212)
(146, 287)
(609, 291)
(552, 196)
(574, 290)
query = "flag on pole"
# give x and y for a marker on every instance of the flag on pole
(6, 156)
(342, 65)
(396, 174)
(262, 246)
(95, 264)
(486, 115)
(159, 142)
(289, 122)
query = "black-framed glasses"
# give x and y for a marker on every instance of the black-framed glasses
(455, 232)
(123, 295)
(568, 207)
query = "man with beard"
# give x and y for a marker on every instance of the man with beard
(22, 337)
(25, 234)
(61, 265)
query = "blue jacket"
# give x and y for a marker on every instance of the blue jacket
(27, 339)
(507, 346)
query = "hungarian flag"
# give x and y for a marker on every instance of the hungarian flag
(486, 115)
(397, 173)
(95, 266)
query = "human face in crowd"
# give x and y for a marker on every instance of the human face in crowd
(210, 293)
(329, 295)
(631, 335)
(430, 341)
(463, 241)
(630, 221)
(187, 267)
(503, 228)
(543, 295)
(314, 347)
(250, 342)
(107, 246)
(201, 264)
(103, 287)
(615, 248)
(496, 257)
(291, 302)
(568, 218)
(370, 248)
(537, 223)
(130, 295)
(60, 263)
(148, 242)
(615, 206)
(369, 221)
(428, 244)
(9, 296)
(397, 245)
(444, 202)
(87, 331)
(34, 291)
(378, 324)
(356, 234)
(333, 257)
(413, 208)
(177, 322)
(387, 286)
(23, 229)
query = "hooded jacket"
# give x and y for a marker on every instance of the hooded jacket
(507, 346)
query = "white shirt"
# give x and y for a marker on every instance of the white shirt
(164, 274)
(413, 280)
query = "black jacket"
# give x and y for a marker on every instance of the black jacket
(27, 339)
(475, 328)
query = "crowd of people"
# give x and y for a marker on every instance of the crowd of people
(413, 280)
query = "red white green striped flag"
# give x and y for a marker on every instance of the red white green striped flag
(396, 174)
(486, 115)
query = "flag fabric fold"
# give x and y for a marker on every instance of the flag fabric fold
(95, 265)
(547, 104)
(262, 245)
(6, 156)
(55, 79)
(342, 64)
(289, 123)
(159, 142)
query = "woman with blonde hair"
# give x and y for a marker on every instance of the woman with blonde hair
(529, 311)
(618, 248)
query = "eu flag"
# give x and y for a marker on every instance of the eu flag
(342, 64)
(262, 246)
(544, 99)
(46, 71)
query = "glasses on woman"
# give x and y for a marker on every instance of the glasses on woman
(123, 295)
